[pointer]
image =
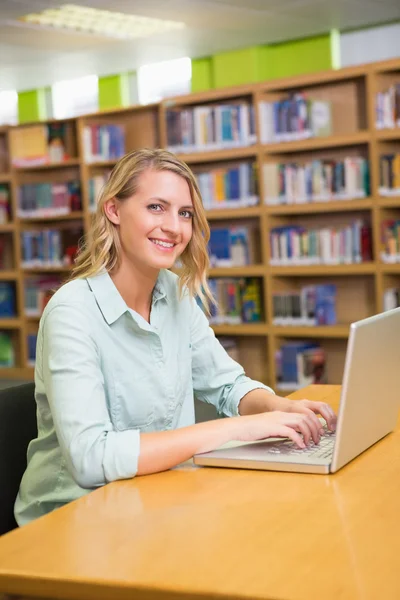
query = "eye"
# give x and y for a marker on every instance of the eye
(186, 214)
(155, 207)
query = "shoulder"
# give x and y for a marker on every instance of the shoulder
(74, 295)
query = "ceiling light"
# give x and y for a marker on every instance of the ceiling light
(100, 22)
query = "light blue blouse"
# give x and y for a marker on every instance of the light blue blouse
(104, 374)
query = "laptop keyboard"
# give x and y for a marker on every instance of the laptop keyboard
(322, 450)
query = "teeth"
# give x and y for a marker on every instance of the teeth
(164, 244)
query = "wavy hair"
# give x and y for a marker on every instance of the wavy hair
(101, 247)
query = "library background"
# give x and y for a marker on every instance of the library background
(296, 148)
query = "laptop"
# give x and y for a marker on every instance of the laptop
(369, 405)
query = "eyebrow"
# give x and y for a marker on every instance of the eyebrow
(169, 203)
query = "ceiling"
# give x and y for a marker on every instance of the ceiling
(30, 57)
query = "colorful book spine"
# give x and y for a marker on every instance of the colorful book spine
(49, 199)
(5, 212)
(293, 118)
(238, 300)
(103, 142)
(218, 127)
(387, 108)
(232, 246)
(229, 187)
(312, 305)
(347, 244)
(316, 181)
(299, 364)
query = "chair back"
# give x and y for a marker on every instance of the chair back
(18, 426)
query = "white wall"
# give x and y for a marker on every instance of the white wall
(370, 45)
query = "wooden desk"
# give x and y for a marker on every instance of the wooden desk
(221, 533)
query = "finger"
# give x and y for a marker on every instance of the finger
(324, 410)
(313, 423)
(328, 414)
(303, 427)
(284, 431)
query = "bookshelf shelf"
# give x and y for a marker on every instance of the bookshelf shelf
(390, 268)
(12, 323)
(246, 271)
(242, 329)
(219, 155)
(29, 270)
(5, 177)
(71, 162)
(8, 275)
(67, 217)
(234, 213)
(4, 227)
(353, 139)
(389, 202)
(101, 163)
(325, 270)
(320, 331)
(320, 207)
(388, 134)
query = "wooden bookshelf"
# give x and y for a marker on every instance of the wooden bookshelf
(352, 92)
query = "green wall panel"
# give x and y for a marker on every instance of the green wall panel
(113, 91)
(202, 76)
(298, 57)
(236, 67)
(32, 105)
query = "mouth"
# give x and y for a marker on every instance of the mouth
(163, 245)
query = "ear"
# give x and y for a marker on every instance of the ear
(111, 208)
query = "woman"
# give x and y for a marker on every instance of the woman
(123, 346)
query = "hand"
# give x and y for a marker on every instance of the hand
(300, 428)
(307, 407)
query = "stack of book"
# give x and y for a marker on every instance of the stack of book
(295, 245)
(299, 364)
(96, 184)
(103, 142)
(390, 241)
(387, 108)
(296, 117)
(31, 342)
(211, 127)
(7, 355)
(316, 181)
(389, 175)
(44, 248)
(4, 204)
(391, 298)
(49, 199)
(312, 305)
(229, 187)
(232, 246)
(238, 301)
(7, 299)
(39, 145)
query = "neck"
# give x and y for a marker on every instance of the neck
(135, 286)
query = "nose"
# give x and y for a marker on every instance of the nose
(170, 222)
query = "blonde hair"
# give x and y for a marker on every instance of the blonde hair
(101, 248)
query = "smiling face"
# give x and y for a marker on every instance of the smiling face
(155, 224)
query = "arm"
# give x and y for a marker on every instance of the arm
(219, 380)
(73, 382)
(258, 401)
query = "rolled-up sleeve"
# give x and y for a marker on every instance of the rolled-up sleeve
(217, 378)
(95, 453)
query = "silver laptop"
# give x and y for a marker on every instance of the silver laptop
(369, 406)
